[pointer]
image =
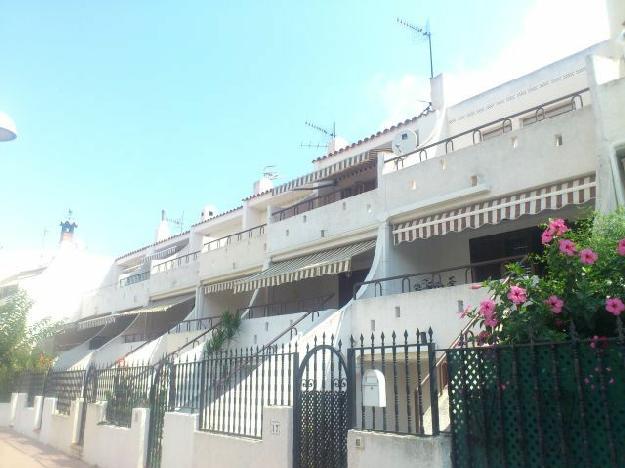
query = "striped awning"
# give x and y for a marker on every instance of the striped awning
(95, 322)
(327, 262)
(164, 305)
(221, 286)
(509, 207)
(366, 158)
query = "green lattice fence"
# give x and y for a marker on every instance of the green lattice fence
(540, 405)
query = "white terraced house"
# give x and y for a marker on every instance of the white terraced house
(383, 235)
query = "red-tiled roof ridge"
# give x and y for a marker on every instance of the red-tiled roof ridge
(259, 194)
(152, 245)
(425, 112)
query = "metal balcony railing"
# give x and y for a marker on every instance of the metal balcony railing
(175, 262)
(255, 232)
(322, 200)
(136, 278)
(536, 113)
(312, 304)
(432, 279)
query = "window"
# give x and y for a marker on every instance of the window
(493, 249)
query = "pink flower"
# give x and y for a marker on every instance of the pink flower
(588, 257)
(555, 304)
(487, 308)
(614, 305)
(517, 294)
(558, 226)
(491, 322)
(621, 247)
(465, 312)
(567, 247)
(547, 236)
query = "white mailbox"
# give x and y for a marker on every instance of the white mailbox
(374, 389)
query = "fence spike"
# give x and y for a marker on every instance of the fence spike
(430, 333)
(340, 343)
(418, 336)
(619, 329)
(362, 341)
(351, 340)
(323, 338)
(382, 339)
(406, 336)
(394, 336)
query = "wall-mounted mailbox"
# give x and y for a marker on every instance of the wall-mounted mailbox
(374, 389)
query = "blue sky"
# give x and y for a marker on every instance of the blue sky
(124, 108)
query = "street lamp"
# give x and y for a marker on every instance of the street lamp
(8, 131)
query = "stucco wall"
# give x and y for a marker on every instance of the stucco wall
(209, 450)
(238, 256)
(59, 430)
(5, 414)
(397, 451)
(115, 447)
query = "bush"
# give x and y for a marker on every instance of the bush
(583, 285)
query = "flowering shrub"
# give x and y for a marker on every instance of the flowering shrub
(583, 283)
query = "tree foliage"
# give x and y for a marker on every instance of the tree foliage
(21, 343)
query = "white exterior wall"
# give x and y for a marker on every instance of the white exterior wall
(351, 216)
(115, 447)
(115, 298)
(5, 414)
(239, 256)
(397, 451)
(175, 278)
(209, 450)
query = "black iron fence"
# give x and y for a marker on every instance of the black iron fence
(408, 405)
(65, 386)
(136, 278)
(229, 389)
(541, 404)
(123, 388)
(31, 383)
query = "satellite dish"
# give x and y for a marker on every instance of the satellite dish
(405, 142)
(7, 128)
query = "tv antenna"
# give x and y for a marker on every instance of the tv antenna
(324, 131)
(424, 32)
(177, 221)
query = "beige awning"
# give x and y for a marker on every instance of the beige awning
(327, 262)
(160, 306)
(363, 159)
(164, 305)
(95, 322)
(509, 207)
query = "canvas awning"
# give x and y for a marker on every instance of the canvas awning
(327, 262)
(226, 285)
(95, 322)
(161, 306)
(510, 207)
(362, 159)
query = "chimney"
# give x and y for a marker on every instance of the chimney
(162, 232)
(67, 231)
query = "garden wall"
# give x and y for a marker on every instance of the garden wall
(112, 446)
(186, 447)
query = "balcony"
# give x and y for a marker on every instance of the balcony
(175, 274)
(322, 200)
(233, 253)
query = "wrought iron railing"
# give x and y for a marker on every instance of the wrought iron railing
(65, 386)
(322, 200)
(231, 388)
(176, 262)
(256, 231)
(123, 388)
(405, 360)
(505, 123)
(432, 279)
(31, 383)
(205, 323)
(133, 279)
(312, 304)
(555, 404)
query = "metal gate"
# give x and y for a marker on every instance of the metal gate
(322, 402)
(88, 391)
(159, 401)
